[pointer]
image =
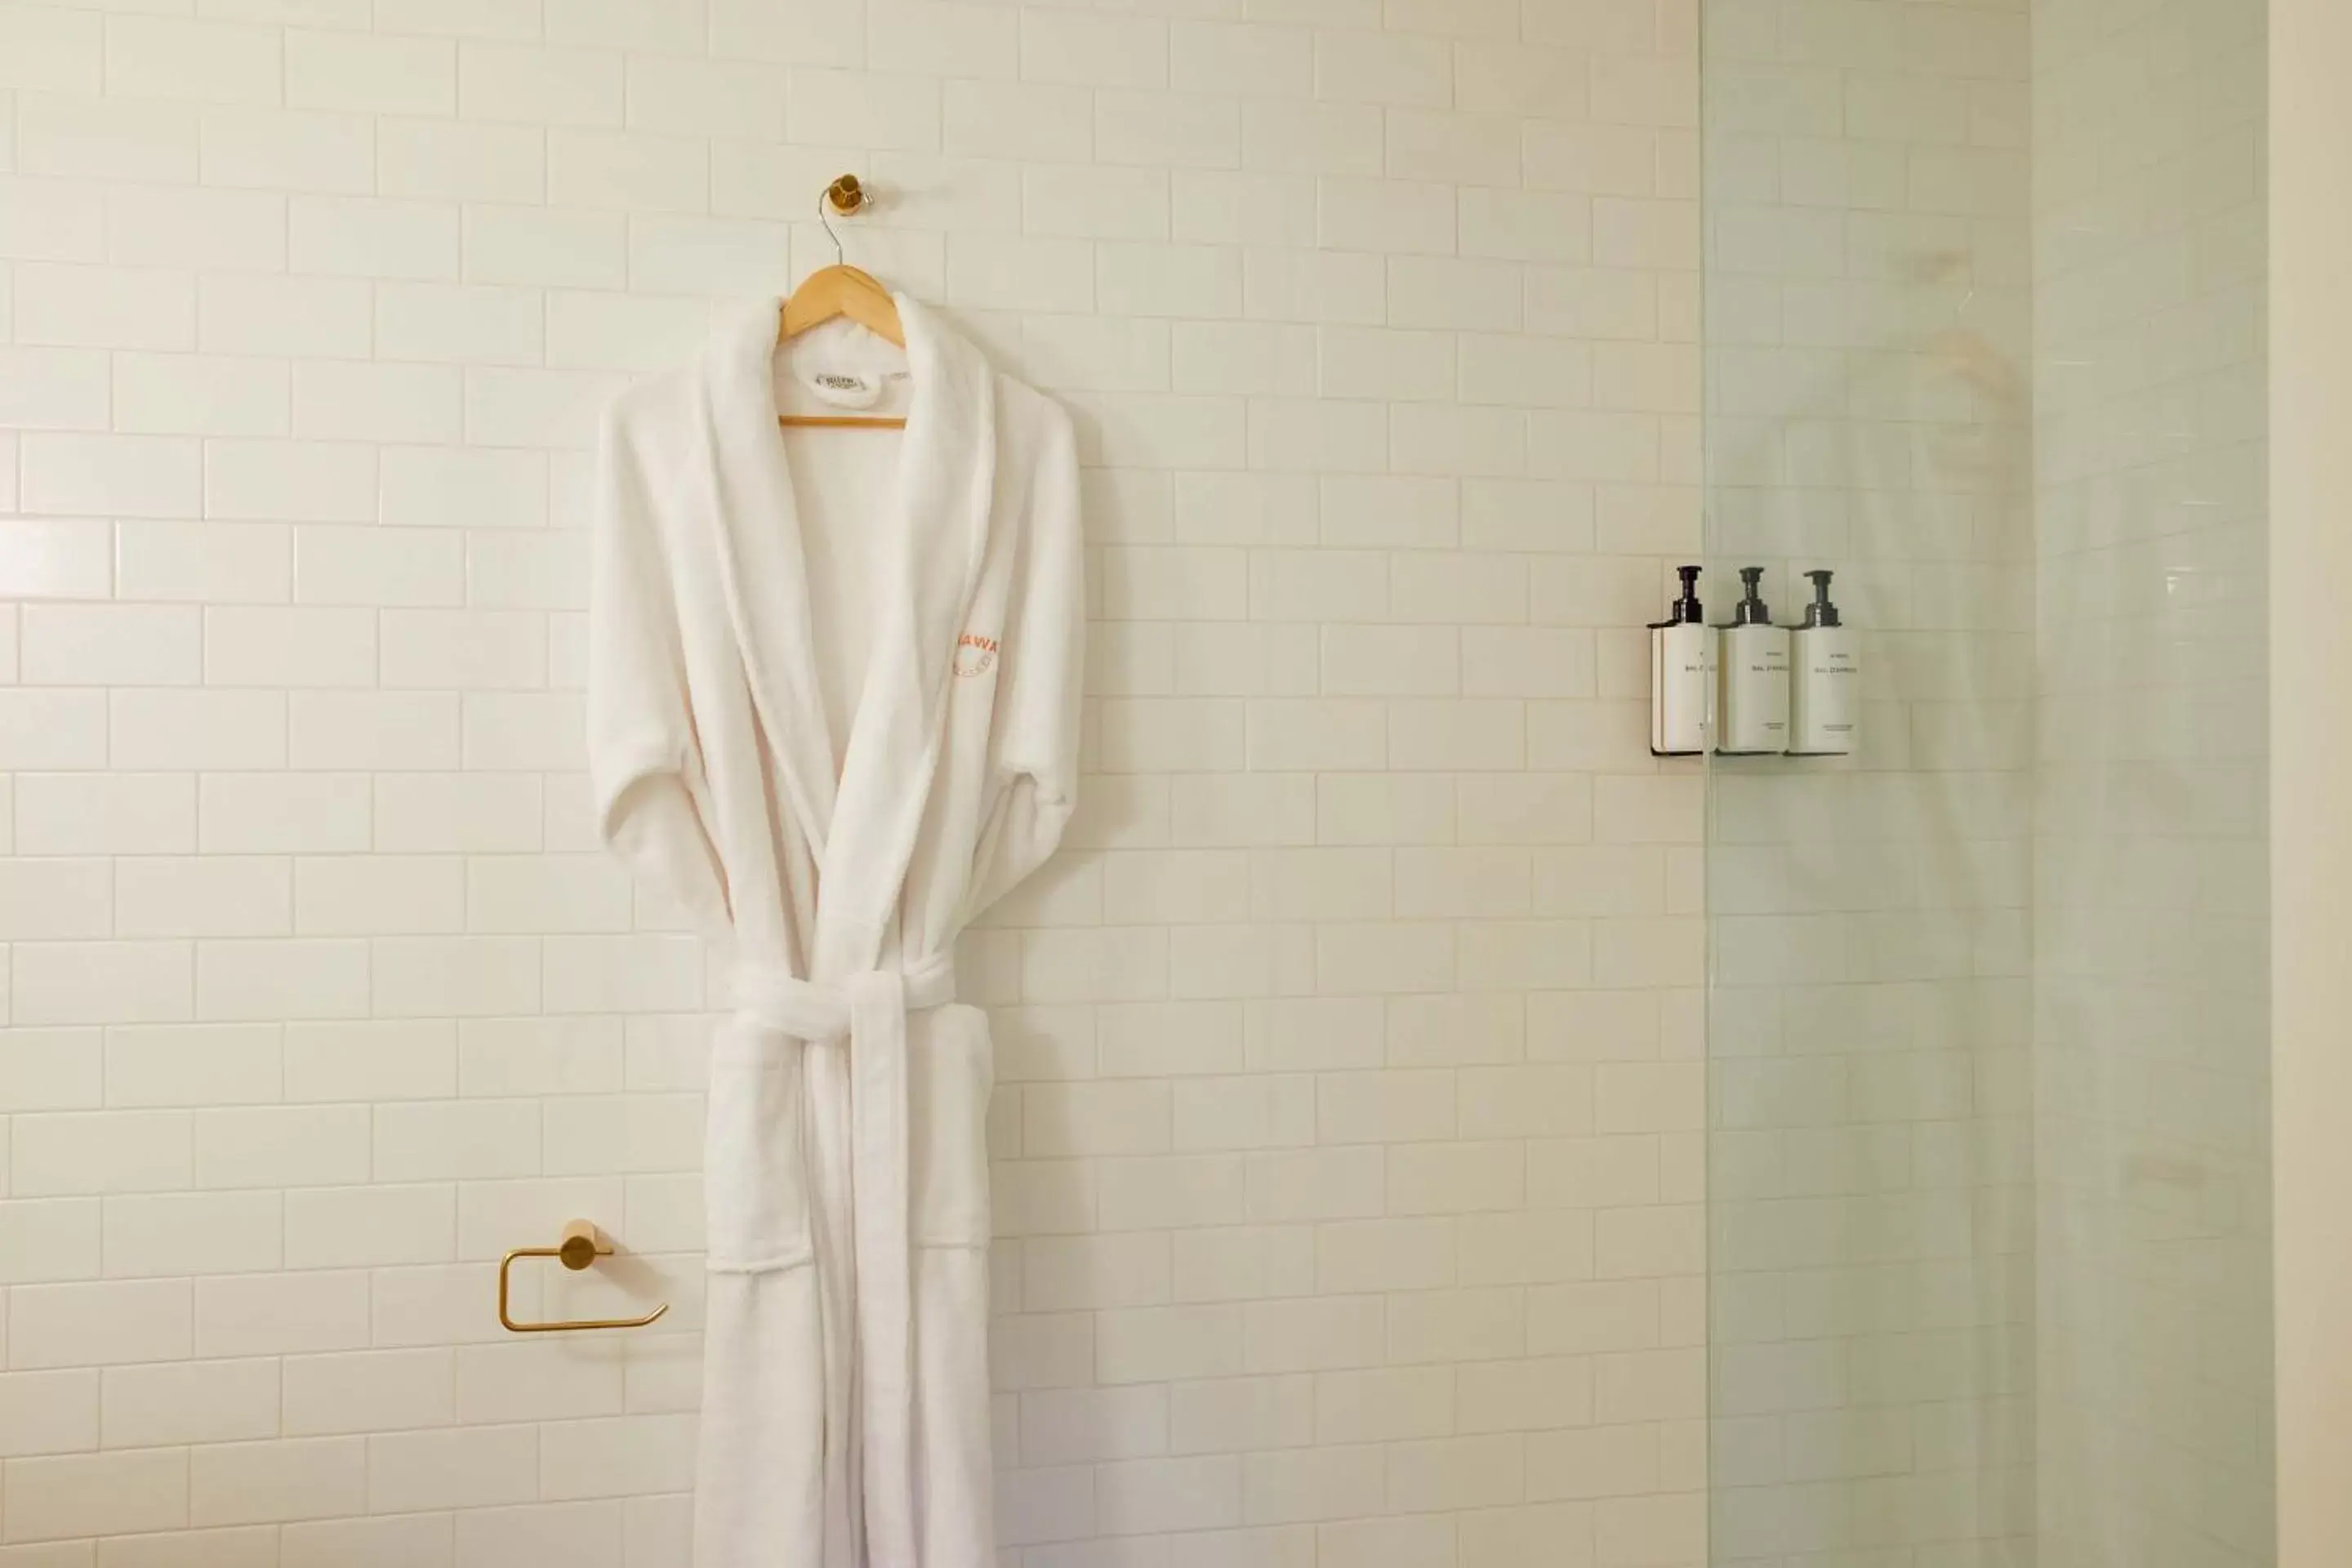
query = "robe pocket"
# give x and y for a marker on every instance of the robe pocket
(755, 1180)
(952, 1071)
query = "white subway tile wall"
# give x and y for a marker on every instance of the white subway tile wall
(1347, 1137)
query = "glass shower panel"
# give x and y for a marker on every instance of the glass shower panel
(1867, 311)
(1988, 1012)
(2151, 1029)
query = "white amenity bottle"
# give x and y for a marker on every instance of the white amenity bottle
(1824, 675)
(1682, 675)
(1755, 660)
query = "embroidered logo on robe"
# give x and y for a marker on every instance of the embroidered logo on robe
(974, 654)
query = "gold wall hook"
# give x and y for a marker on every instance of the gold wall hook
(581, 1245)
(846, 195)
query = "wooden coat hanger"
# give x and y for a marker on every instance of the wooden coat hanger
(841, 290)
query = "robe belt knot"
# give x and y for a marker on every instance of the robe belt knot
(869, 1009)
(815, 1010)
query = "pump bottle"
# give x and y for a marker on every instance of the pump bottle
(1823, 674)
(1755, 667)
(1682, 675)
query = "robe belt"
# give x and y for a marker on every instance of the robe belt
(871, 1009)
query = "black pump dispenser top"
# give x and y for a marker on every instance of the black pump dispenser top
(1751, 611)
(1685, 610)
(1821, 612)
(1681, 612)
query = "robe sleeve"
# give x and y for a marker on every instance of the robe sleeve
(1034, 740)
(642, 760)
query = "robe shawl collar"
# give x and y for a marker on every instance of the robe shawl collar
(860, 825)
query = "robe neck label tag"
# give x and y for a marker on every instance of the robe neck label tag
(845, 389)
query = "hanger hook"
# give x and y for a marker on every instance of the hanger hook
(825, 216)
(845, 195)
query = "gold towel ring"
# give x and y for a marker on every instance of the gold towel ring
(581, 1245)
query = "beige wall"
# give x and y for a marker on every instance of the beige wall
(2311, 473)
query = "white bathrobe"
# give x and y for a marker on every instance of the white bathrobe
(833, 712)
